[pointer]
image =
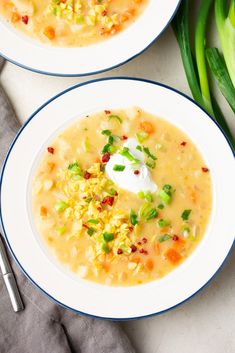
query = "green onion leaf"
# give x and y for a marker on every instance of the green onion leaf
(93, 221)
(163, 222)
(88, 200)
(147, 212)
(149, 154)
(139, 148)
(111, 140)
(116, 117)
(164, 237)
(90, 231)
(108, 236)
(125, 153)
(160, 206)
(133, 218)
(61, 206)
(112, 192)
(151, 164)
(106, 132)
(185, 214)
(105, 248)
(142, 136)
(118, 168)
(75, 169)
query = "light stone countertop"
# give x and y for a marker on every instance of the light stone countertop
(206, 323)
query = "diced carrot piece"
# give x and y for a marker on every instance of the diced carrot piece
(136, 259)
(156, 248)
(193, 197)
(149, 264)
(106, 267)
(173, 256)
(51, 166)
(15, 17)
(49, 32)
(115, 29)
(43, 211)
(179, 244)
(164, 230)
(147, 126)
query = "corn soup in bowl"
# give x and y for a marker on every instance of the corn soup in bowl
(119, 198)
(78, 37)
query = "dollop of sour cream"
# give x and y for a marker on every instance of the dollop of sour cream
(127, 179)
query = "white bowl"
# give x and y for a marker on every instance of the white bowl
(32, 255)
(25, 52)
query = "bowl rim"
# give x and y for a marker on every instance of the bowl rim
(1, 179)
(57, 74)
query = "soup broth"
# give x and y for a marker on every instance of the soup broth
(71, 22)
(122, 197)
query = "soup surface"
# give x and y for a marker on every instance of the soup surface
(122, 197)
(71, 22)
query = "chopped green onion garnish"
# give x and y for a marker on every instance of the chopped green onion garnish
(116, 117)
(105, 248)
(118, 168)
(142, 136)
(139, 148)
(185, 215)
(111, 140)
(61, 206)
(141, 194)
(61, 230)
(108, 236)
(151, 164)
(112, 192)
(149, 154)
(75, 169)
(125, 153)
(145, 195)
(93, 221)
(163, 222)
(133, 218)
(148, 212)
(164, 237)
(88, 200)
(165, 193)
(105, 148)
(160, 206)
(126, 249)
(109, 148)
(90, 231)
(106, 132)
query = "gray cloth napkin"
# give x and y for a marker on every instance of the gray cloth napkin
(45, 327)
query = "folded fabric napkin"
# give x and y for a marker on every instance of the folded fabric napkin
(45, 327)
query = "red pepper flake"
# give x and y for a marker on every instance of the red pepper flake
(51, 150)
(184, 143)
(175, 237)
(108, 200)
(136, 172)
(87, 175)
(124, 137)
(133, 248)
(144, 240)
(25, 19)
(105, 157)
(131, 228)
(205, 170)
(99, 209)
(85, 226)
(104, 13)
(107, 112)
(119, 251)
(139, 243)
(143, 251)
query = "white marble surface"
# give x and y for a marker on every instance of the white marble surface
(206, 323)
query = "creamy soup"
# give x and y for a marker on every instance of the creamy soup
(122, 197)
(71, 22)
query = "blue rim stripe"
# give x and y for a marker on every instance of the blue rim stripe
(99, 71)
(34, 115)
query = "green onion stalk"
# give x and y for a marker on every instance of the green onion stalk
(195, 68)
(226, 28)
